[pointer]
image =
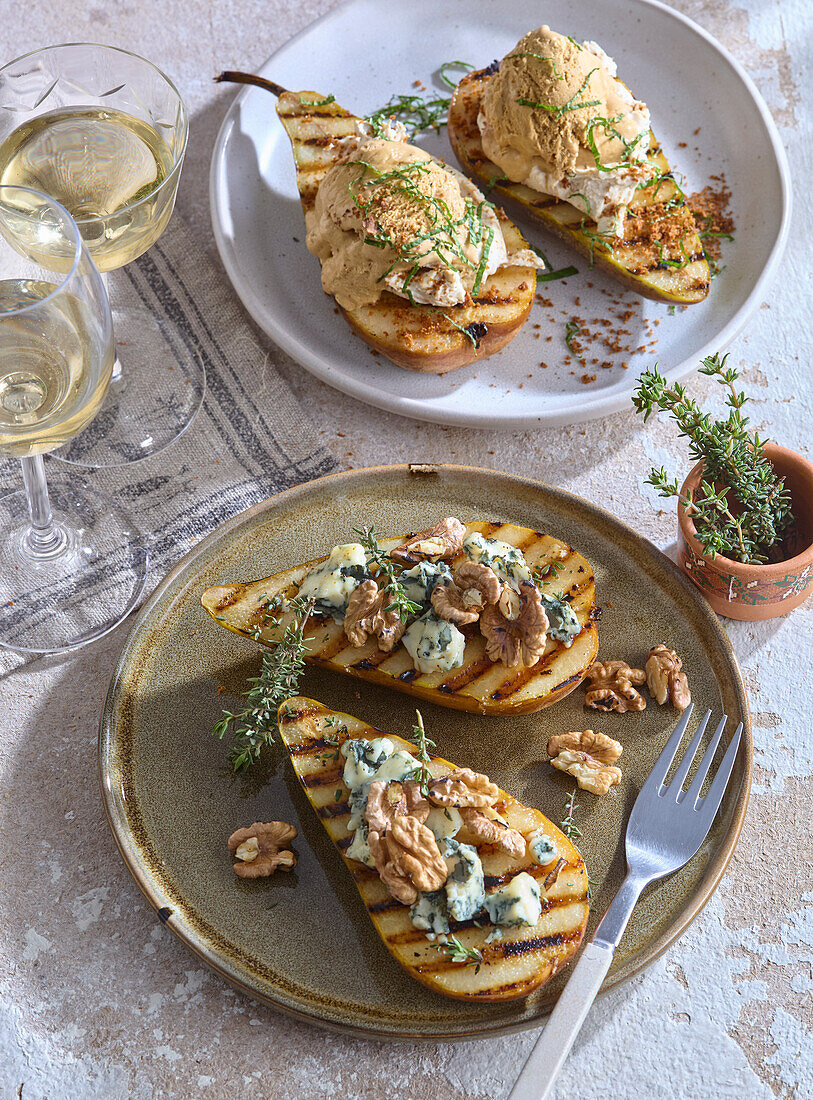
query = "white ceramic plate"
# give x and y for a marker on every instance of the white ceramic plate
(363, 51)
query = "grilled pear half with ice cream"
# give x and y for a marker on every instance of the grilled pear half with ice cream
(479, 684)
(659, 254)
(525, 956)
(423, 269)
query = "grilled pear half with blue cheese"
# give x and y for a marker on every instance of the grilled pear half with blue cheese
(660, 256)
(477, 684)
(524, 956)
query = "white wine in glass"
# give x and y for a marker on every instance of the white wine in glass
(53, 374)
(104, 132)
(71, 563)
(106, 167)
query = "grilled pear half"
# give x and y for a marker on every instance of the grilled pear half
(479, 685)
(431, 339)
(526, 956)
(678, 275)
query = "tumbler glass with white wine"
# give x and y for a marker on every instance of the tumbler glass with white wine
(71, 563)
(104, 132)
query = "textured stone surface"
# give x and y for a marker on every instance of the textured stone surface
(99, 1001)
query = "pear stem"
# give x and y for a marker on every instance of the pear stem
(249, 78)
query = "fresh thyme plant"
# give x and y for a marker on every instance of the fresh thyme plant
(255, 725)
(386, 574)
(741, 509)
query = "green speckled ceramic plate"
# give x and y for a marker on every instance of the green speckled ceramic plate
(302, 941)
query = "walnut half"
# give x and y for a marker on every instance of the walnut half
(665, 679)
(404, 850)
(474, 586)
(438, 543)
(260, 848)
(463, 787)
(611, 686)
(515, 629)
(484, 830)
(589, 773)
(365, 617)
(601, 748)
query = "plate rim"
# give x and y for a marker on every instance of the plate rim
(584, 409)
(127, 843)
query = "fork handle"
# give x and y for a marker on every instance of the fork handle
(539, 1073)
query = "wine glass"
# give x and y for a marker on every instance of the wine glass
(104, 132)
(71, 566)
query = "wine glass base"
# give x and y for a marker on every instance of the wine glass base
(65, 600)
(157, 388)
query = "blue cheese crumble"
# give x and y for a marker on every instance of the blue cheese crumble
(465, 886)
(462, 895)
(562, 622)
(434, 644)
(431, 913)
(518, 902)
(504, 559)
(333, 582)
(422, 579)
(368, 761)
(541, 848)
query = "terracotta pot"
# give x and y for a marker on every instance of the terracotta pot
(756, 591)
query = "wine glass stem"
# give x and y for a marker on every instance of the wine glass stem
(45, 538)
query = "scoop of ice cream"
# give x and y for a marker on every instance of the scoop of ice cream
(557, 105)
(391, 217)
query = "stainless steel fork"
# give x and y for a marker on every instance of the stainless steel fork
(666, 828)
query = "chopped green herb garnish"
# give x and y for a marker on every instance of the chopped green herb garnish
(318, 102)
(553, 276)
(571, 332)
(557, 112)
(445, 236)
(465, 329)
(465, 65)
(542, 57)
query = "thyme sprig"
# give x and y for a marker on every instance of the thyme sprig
(549, 573)
(569, 826)
(422, 775)
(741, 509)
(387, 572)
(255, 725)
(458, 953)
